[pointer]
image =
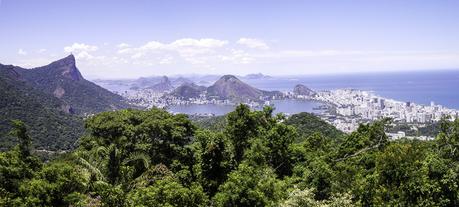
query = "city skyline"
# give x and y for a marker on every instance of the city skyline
(204, 37)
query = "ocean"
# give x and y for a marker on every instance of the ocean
(422, 87)
(441, 87)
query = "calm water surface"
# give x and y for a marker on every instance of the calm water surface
(284, 106)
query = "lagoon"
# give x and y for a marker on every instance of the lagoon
(281, 106)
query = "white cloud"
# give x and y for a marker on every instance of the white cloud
(22, 52)
(83, 55)
(123, 45)
(253, 43)
(238, 57)
(41, 51)
(206, 43)
(153, 45)
(166, 61)
(193, 51)
(80, 47)
(81, 50)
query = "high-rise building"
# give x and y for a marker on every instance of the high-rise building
(381, 103)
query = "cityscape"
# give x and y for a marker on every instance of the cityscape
(345, 109)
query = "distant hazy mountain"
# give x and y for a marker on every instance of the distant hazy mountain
(180, 81)
(230, 87)
(146, 82)
(153, 82)
(188, 90)
(256, 76)
(163, 86)
(48, 99)
(303, 90)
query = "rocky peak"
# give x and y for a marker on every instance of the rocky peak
(229, 78)
(67, 67)
(230, 87)
(163, 85)
(165, 80)
(303, 90)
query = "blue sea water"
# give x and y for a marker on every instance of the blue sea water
(440, 86)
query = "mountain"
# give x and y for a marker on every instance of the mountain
(49, 124)
(163, 86)
(256, 76)
(180, 81)
(145, 82)
(50, 100)
(188, 90)
(303, 90)
(64, 81)
(230, 87)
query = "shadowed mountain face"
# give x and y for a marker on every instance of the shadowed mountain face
(163, 86)
(48, 99)
(230, 87)
(188, 90)
(63, 80)
(181, 81)
(303, 90)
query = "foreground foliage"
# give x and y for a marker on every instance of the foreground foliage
(153, 158)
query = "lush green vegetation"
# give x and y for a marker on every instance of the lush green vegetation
(213, 123)
(49, 126)
(430, 129)
(153, 158)
(51, 100)
(308, 124)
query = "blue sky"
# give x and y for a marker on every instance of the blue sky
(128, 39)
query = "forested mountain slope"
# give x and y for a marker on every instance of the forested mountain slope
(52, 101)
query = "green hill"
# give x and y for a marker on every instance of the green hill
(51, 100)
(308, 124)
(63, 80)
(51, 128)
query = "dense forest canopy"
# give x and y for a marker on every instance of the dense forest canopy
(253, 158)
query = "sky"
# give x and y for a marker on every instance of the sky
(128, 39)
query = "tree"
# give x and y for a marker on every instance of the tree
(279, 139)
(242, 126)
(213, 159)
(366, 138)
(168, 191)
(305, 197)
(20, 131)
(250, 186)
(127, 142)
(17, 164)
(52, 185)
(448, 139)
